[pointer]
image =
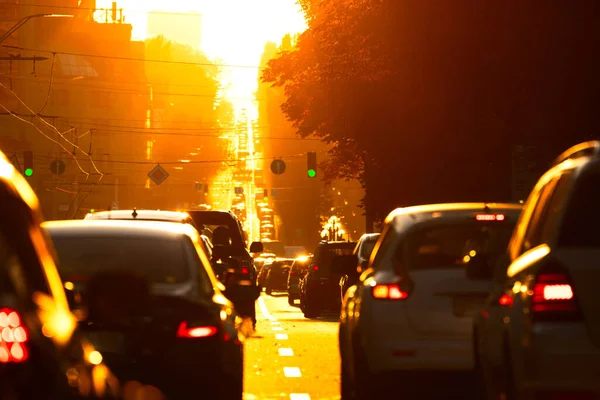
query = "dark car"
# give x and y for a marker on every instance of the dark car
(297, 271)
(363, 251)
(320, 289)
(276, 279)
(209, 222)
(149, 301)
(46, 357)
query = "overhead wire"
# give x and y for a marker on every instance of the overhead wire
(48, 124)
(49, 84)
(198, 64)
(47, 137)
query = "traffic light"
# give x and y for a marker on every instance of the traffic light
(311, 164)
(28, 163)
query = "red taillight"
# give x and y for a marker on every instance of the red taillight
(316, 268)
(389, 292)
(553, 295)
(13, 337)
(490, 217)
(505, 300)
(185, 331)
(245, 271)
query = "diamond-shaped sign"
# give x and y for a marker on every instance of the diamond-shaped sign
(158, 174)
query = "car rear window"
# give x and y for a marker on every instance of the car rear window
(324, 255)
(367, 248)
(582, 218)
(160, 260)
(453, 246)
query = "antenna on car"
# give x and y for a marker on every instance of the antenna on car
(134, 214)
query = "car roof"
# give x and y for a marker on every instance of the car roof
(369, 237)
(119, 228)
(452, 210)
(140, 215)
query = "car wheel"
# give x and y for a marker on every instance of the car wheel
(362, 373)
(268, 289)
(311, 311)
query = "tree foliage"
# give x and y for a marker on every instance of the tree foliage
(424, 101)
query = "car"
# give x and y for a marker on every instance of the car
(274, 246)
(363, 251)
(151, 215)
(42, 354)
(409, 317)
(297, 271)
(538, 335)
(319, 290)
(276, 279)
(148, 299)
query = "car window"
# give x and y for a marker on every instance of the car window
(325, 254)
(24, 242)
(579, 226)
(452, 246)
(534, 230)
(556, 206)
(387, 238)
(159, 259)
(367, 248)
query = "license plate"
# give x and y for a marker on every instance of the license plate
(467, 307)
(107, 342)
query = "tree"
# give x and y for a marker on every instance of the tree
(424, 101)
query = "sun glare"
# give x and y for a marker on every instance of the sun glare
(234, 33)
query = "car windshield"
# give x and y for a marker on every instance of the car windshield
(207, 221)
(453, 246)
(160, 260)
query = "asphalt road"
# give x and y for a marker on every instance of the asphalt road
(289, 356)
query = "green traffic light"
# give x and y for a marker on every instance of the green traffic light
(312, 173)
(28, 172)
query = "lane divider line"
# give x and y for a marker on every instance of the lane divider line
(281, 336)
(292, 372)
(286, 352)
(263, 309)
(299, 396)
(277, 328)
(275, 323)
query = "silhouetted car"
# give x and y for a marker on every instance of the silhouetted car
(297, 271)
(152, 305)
(276, 280)
(42, 355)
(320, 290)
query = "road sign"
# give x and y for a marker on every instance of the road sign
(57, 167)
(239, 190)
(158, 174)
(278, 167)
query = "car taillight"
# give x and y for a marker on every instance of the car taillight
(185, 331)
(505, 300)
(554, 297)
(389, 292)
(13, 337)
(245, 271)
(316, 268)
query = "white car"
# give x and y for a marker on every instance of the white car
(538, 336)
(411, 313)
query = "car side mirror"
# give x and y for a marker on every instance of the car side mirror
(344, 264)
(479, 269)
(256, 247)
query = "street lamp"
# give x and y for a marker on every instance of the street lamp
(24, 20)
